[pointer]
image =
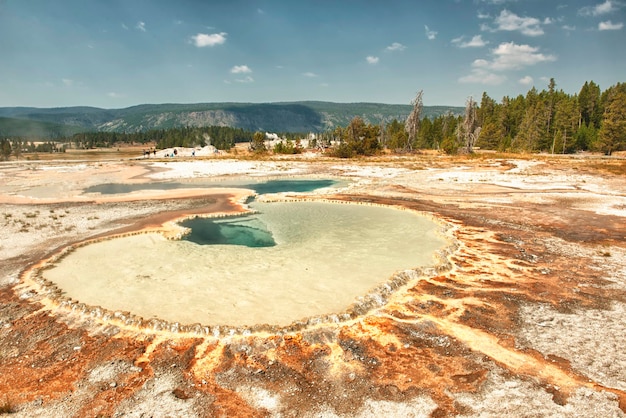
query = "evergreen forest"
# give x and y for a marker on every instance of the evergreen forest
(546, 121)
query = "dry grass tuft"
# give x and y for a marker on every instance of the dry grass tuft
(7, 407)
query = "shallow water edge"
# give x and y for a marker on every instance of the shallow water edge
(56, 299)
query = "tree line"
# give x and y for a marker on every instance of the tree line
(553, 121)
(221, 137)
(540, 121)
(546, 121)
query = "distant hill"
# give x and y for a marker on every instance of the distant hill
(26, 128)
(307, 116)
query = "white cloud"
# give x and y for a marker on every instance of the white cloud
(510, 56)
(204, 39)
(480, 76)
(124, 26)
(509, 21)
(569, 28)
(67, 82)
(484, 15)
(240, 69)
(527, 80)
(141, 26)
(507, 56)
(599, 9)
(246, 79)
(430, 34)
(458, 40)
(608, 25)
(396, 46)
(309, 74)
(372, 60)
(476, 42)
(497, 1)
(115, 95)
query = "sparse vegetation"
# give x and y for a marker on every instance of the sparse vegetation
(6, 406)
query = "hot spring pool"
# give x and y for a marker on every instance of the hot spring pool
(260, 187)
(312, 259)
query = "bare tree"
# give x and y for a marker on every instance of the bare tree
(471, 130)
(412, 124)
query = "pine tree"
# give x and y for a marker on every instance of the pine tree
(590, 104)
(531, 129)
(5, 149)
(612, 134)
(565, 125)
(258, 142)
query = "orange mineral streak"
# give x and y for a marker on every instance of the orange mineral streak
(438, 336)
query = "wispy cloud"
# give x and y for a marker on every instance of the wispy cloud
(240, 69)
(599, 9)
(527, 80)
(476, 42)
(509, 21)
(396, 46)
(115, 95)
(309, 74)
(204, 39)
(372, 60)
(498, 2)
(568, 28)
(246, 79)
(608, 25)
(124, 26)
(430, 34)
(67, 82)
(481, 76)
(141, 26)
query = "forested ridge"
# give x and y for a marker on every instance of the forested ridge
(549, 121)
(541, 121)
(553, 121)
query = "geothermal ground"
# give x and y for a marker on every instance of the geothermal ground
(524, 315)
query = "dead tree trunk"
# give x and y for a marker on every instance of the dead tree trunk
(471, 130)
(412, 123)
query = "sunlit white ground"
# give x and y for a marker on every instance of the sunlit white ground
(326, 256)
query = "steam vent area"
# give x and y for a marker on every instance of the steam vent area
(418, 286)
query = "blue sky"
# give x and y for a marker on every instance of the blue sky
(119, 53)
